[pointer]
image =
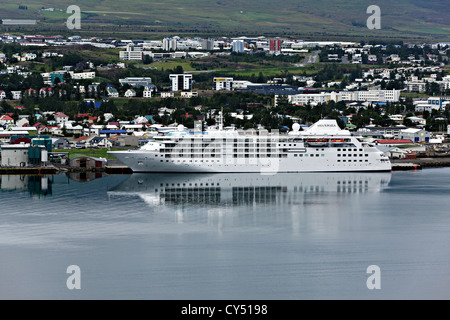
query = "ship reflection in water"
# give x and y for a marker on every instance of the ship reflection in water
(36, 185)
(245, 189)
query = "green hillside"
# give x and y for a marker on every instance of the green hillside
(340, 18)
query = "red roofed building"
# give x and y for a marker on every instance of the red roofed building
(19, 108)
(61, 117)
(46, 92)
(393, 141)
(5, 120)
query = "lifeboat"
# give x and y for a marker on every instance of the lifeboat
(317, 142)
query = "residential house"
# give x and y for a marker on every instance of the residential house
(61, 118)
(188, 94)
(112, 92)
(2, 95)
(167, 95)
(130, 93)
(147, 93)
(100, 142)
(46, 92)
(60, 143)
(16, 95)
(23, 122)
(6, 120)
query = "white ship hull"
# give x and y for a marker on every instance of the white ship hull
(322, 148)
(139, 161)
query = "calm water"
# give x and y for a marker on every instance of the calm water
(294, 236)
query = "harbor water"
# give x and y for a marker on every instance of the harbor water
(226, 236)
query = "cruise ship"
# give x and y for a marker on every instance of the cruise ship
(323, 147)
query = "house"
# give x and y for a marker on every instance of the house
(100, 142)
(147, 93)
(46, 92)
(16, 95)
(60, 143)
(130, 93)
(188, 94)
(167, 95)
(23, 122)
(2, 95)
(112, 92)
(6, 120)
(61, 118)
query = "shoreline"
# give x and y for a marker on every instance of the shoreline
(118, 168)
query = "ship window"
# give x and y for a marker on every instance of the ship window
(343, 154)
(339, 160)
(161, 160)
(360, 149)
(367, 160)
(306, 155)
(344, 160)
(339, 149)
(317, 155)
(360, 160)
(301, 155)
(295, 155)
(367, 154)
(323, 155)
(338, 155)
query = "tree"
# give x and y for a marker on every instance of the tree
(147, 59)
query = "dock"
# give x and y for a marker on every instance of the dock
(405, 166)
(28, 170)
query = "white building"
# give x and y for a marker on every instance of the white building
(16, 95)
(132, 53)
(147, 93)
(61, 118)
(112, 92)
(363, 96)
(15, 155)
(130, 93)
(169, 44)
(82, 75)
(180, 82)
(223, 84)
(188, 94)
(167, 95)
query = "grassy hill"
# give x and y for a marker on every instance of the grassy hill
(331, 18)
